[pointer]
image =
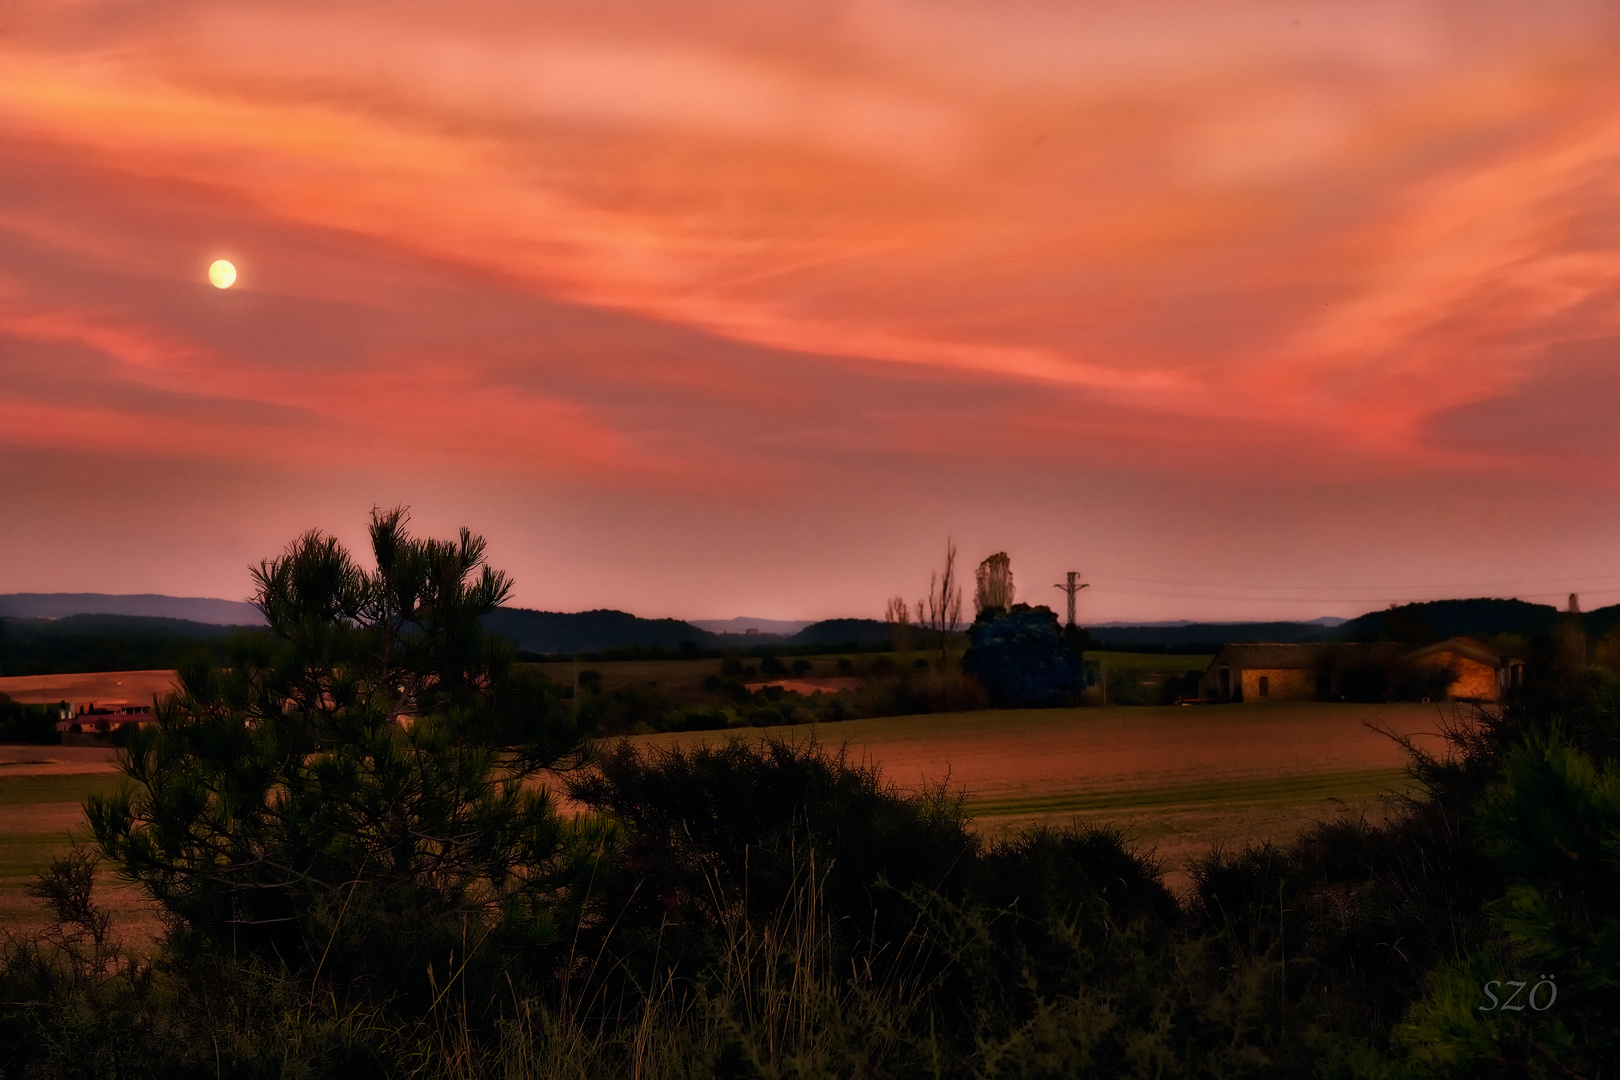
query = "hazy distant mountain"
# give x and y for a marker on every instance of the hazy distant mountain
(149, 605)
(742, 624)
(834, 632)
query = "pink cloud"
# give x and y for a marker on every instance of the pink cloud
(803, 263)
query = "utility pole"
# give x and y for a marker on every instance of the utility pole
(1071, 588)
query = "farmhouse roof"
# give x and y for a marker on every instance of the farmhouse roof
(1466, 647)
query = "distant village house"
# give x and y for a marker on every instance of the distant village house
(1482, 672)
(95, 721)
(1471, 670)
(1264, 673)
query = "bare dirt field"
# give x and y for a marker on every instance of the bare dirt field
(1178, 780)
(131, 687)
(57, 760)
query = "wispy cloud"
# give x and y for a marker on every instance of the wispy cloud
(601, 244)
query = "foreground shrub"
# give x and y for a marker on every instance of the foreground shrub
(1549, 826)
(20, 723)
(713, 834)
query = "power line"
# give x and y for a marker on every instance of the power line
(1329, 593)
(1370, 588)
(1328, 599)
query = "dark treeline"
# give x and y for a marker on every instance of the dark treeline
(1201, 637)
(90, 643)
(29, 722)
(725, 699)
(1435, 620)
(690, 651)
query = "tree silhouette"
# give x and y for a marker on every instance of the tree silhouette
(352, 792)
(944, 604)
(994, 585)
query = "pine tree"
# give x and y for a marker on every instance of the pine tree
(356, 792)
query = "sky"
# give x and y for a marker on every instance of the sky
(703, 308)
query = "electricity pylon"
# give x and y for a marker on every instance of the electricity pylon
(1071, 588)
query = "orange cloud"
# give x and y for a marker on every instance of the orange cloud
(731, 255)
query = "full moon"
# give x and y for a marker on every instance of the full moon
(221, 274)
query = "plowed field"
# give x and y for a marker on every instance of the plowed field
(1179, 780)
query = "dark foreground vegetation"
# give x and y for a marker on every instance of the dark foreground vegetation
(359, 877)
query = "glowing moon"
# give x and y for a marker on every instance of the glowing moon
(221, 274)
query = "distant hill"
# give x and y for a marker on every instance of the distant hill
(148, 605)
(1600, 621)
(1206, 634)
(51, 633)
(1438, 619)
(557, 632)
(1325, 620)
(833, 632)
(1432, 620)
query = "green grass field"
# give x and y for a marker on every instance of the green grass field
(37, 813)
(31, 790)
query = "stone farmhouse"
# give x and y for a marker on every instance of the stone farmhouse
(1307, 672)
(1483, 672)
(1264, 673)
